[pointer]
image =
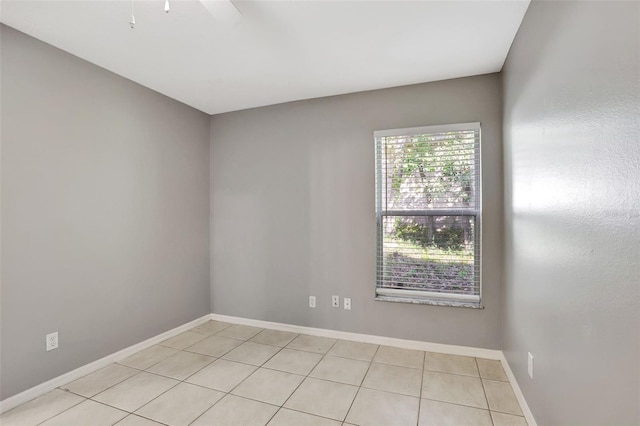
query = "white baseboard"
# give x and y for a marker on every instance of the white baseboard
(367, 338)
(36, 391)
(390, 341)
(528, 415)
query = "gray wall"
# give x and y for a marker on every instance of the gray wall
(572, 190)
(105, 212)
(293, 211)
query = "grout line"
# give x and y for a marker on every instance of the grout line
(484, 392)
(57, 414)
(179, 381)
(85, 398)
(254, 372)
(361, 383)
(151, 400)
(141, 416)
(227, 325)
(152, 365)
(91, 396)
(424, 364)
(504, 412)
(119, 409)
(148, 418)
(310, 371)
(257, 368)
(514, 397)
(457, 404)
(305, 377)
(454, 374)
(273, 415)
(308, 375)
(193, 374)
(177, 335)
(185, 379)
(208, 409)
(236, 396)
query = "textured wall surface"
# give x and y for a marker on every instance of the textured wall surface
(293, 210)
(572, 196)
(105, 212)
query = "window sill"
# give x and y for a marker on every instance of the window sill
(418, 301)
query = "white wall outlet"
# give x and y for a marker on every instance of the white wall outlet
(530, 365)
(347, 303)
(335, 301)
(52, 341)
(312, 301)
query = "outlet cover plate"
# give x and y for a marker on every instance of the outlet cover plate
(52, 341)
(312, 301)
(347, 303)
(335, 301)
(530, 365)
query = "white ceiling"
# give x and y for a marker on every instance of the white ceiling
(278, 51)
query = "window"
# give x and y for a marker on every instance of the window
(428, 214)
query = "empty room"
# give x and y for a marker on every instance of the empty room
(317, 212)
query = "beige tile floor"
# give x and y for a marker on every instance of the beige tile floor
(224, 374)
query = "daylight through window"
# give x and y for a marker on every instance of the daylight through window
(428, 214)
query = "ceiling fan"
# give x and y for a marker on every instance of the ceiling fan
(221, 10)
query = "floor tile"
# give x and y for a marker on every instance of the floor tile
(319, 345)
(398, 356)
(221, 358)
(501, 397)
(297, 362)
(453, 388)
(454, 364)
(236, 411)
(286, 417)
(240, 332)
(274, 338)
(374, 407)
(343, 370)
(87, 413)
(148, 357)
(181, 365)
(354, 350)
(180, 405)
(222, 375)
(183, 340)
(435, 413)
(322, 398)
(491, 369)
(133, 420)
(100, 380)
(502, 419)
(136, 391)
(210, 327)
(214, 346)
(393, 378)
(41, 408)
(252, 353)
(270, 386)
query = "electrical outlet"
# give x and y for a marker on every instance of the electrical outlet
(347, 303)
(312, 301)
(335, 301)
(52, 341)
(530, 365)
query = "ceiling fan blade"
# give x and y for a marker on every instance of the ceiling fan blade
(222, 10)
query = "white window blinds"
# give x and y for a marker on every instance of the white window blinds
(428, 213)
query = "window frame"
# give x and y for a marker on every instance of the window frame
(420, 296)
